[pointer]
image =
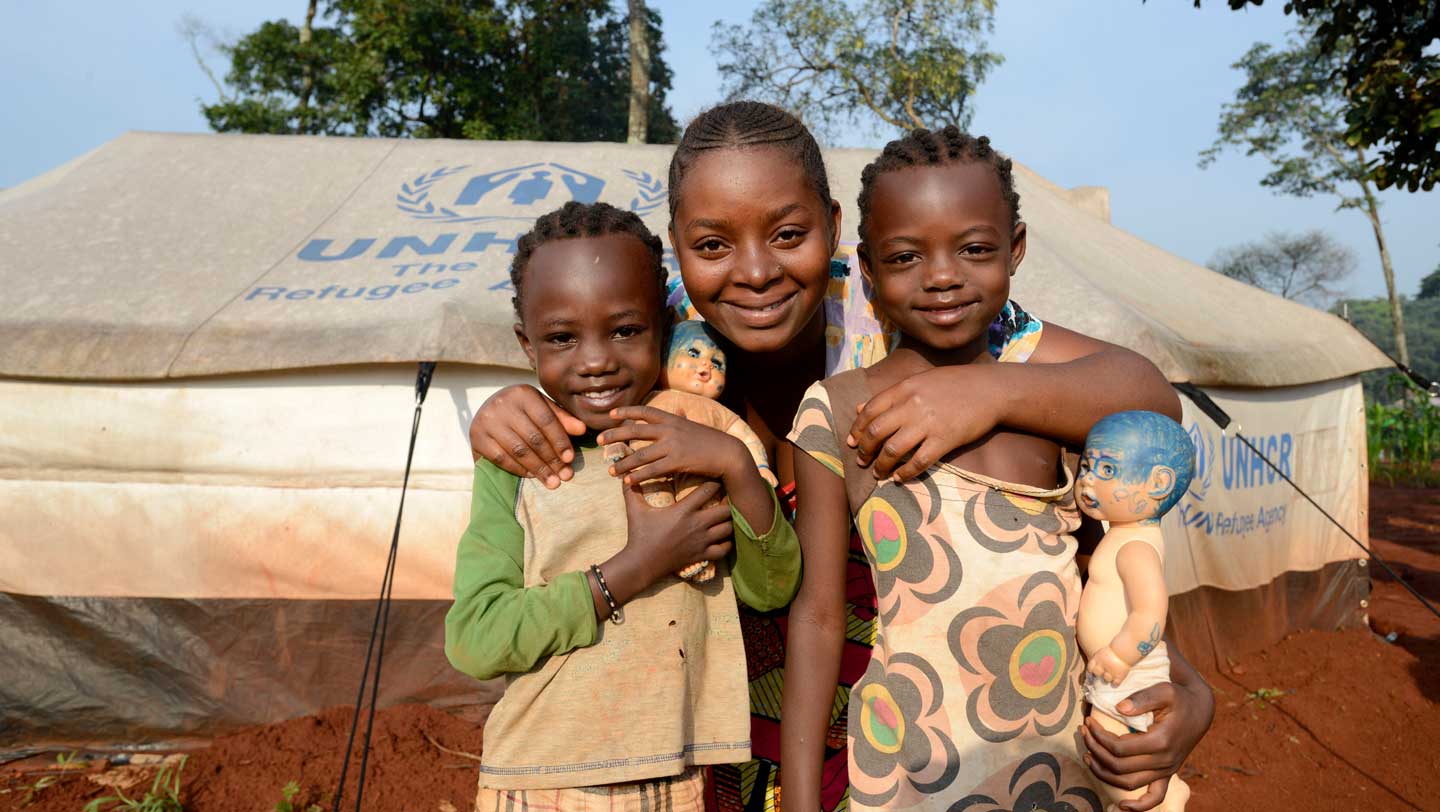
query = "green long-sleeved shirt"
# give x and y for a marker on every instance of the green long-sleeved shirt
(499, 624)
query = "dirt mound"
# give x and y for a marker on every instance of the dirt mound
(246, 771)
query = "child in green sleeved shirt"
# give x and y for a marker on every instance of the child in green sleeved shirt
(625, 711)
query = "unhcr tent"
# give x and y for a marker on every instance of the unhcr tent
(207, 356)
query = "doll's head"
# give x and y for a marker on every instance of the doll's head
(1136, 466)
(694, 361)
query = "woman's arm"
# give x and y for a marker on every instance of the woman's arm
(817, 630)
(524, 433)
(1069, 383)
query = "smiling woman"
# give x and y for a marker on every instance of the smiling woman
(754, 229)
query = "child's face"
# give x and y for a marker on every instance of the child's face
(697, 367)
(754, 244)
(939, 252)
(590, 324)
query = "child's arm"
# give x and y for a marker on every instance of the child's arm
(1143, 576)
(1070, 382)
(497, 625)
(817, 630)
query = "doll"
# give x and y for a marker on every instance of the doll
(1136, 466)
(690, 384)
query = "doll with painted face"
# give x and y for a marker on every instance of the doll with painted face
(1136, 466)
(690, 384)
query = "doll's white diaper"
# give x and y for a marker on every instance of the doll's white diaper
(1153, 669)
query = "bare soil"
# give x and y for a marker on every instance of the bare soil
(1321, 721)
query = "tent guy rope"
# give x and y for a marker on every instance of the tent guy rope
(376, 646)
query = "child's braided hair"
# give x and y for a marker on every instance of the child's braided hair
(937, 148)
(574, 220)
(749, 124)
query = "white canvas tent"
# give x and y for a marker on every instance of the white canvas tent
(207, 352)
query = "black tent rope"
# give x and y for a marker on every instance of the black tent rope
(376, 648)
(1217, 414)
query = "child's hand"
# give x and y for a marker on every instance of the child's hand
(677, 446)
(925, 417)
(663, 541)
(1108, 666)
(526, 434)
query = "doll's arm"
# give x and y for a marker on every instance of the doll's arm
(1143, 575)
(741, 431)
(817, 630)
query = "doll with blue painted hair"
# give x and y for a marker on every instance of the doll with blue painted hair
(1136, 466)
(690, 383)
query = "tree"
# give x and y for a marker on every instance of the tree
(639, 73)
(1430, 285)
(907, 63)
(1306, 268)
(443, 69)
(1391, 78)
(1289, 112)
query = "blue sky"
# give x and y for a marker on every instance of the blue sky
(1110, 92)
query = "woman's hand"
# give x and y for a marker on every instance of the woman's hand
(1183, 710)
(925, 417)
(525, 433)
(676, 446)
(680, 446)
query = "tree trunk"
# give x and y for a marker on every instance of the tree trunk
(1397, 318)
(639, 74)
(307, 81)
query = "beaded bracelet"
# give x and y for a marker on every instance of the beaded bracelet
(615, 616)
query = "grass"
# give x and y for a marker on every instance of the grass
(164, 794)
(1264, 696)
(287, 799)
(1403, 436)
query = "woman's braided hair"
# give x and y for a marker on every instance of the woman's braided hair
(748, 124)
(937, 148)
(574, 220)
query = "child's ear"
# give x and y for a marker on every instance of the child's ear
(1017, 247)
(525, 343)
(1162, 482)
(835, 219)
(863, 252)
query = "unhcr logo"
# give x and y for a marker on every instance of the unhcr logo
(450, 194)
(1240, 469)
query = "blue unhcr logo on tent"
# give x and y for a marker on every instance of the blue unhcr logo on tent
(1240, 470)
(448, 195)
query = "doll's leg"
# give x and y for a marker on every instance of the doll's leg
(1176, 795)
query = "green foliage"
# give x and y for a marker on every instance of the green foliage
(1306, 267)
(1403, 436)
(1422, 333)
(164, 794)
(907, 63)
(444, 69)
(1289, 113)
(1264, 696)
(1389, 76)
(1430, 285)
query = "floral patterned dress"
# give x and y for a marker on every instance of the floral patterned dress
(971, 695)
(855, 336)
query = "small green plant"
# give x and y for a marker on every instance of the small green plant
(287, 799)
(1403, 435)
(1262, 696)
(63, 761)
(164, 794)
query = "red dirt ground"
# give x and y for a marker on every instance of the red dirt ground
(1322, 721)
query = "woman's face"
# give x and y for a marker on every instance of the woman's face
(754, 243)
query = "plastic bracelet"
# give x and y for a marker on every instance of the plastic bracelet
(615, 616)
